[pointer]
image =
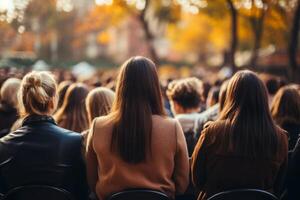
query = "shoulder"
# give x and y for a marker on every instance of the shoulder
(159, 120)
(63, 135)
(102, 122)
(282, 136)
(215, 129)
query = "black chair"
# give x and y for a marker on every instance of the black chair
(243, 194)
(37, 192)
(139, 194)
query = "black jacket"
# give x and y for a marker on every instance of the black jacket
(8, 115)
(40, 152)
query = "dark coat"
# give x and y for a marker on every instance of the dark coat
(293, 130)
(216, 169)
(40, 152)
(8, 116)
(293, 177)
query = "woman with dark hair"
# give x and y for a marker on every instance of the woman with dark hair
(40, 152)
(62, 90)
(285, 110)
(73, 115)
(136, 145)
(243, 148)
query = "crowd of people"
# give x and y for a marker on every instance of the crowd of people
(186, 137)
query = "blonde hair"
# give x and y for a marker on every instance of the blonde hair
(38, 90)
(99, 102)
(9, 92)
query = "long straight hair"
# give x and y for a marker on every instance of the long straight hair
(252, 130)
(138, 97)
(73, 115)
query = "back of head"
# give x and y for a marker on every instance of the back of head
(272, 83)
(138, 97)
(246, 109)
(286, 106)
(9, 90)
(62, 90)
(222, 94)
(185, 92)
(213, 96)
(38, 94)
(72, 115)
(99, 102)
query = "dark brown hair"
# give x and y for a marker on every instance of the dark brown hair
(186, 92)
(62, 90)
(72, 115)
(286, 106)
(252, 130)
(138, 97)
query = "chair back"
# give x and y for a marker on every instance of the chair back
(244, 194)
(143, 194)
(37, 192)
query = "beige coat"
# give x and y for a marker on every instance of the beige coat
(167, 170)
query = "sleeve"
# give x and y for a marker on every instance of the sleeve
(281, 175)
(198, 162)
(181, 172)
(91, 160)
(293, 175)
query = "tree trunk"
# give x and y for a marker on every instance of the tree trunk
(257, 27)
(294, 73)
(234, 39)
(148, 35)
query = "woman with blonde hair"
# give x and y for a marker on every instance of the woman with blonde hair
(40, 152)
(73, 115)
(136, 145)
(8, 104)
(285, 110)
(99, 102)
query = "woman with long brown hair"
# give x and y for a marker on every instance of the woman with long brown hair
(72, 115)
(243, 148)
(285, 110)
(136, 145)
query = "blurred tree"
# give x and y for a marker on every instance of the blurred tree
(294, 71)
(234, 37)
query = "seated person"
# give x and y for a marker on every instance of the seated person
(136, 145)
(40, 152)
(8, 105)
(185, 99)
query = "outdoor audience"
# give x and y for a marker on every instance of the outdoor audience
(108, 134)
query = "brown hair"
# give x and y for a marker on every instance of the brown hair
(252, 130)
(138, 97)
(222, 94)
(38, 90)
(72, 115)
(185, 92)
(99, 102)
(286, 106)
(62, 90)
